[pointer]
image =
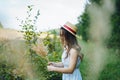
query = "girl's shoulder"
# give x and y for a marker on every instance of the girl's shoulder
(74, 51)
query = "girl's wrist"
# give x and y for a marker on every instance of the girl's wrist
(54, 69)
(54, 64)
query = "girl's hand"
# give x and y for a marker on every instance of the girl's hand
(51, 63)
(50, 68)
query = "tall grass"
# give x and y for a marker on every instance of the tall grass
(97, 53)
(14, 52)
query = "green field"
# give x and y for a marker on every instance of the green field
(17, 64)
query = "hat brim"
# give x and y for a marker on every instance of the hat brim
(68, 30)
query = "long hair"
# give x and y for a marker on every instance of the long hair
(69, 40)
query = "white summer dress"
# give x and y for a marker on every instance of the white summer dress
(76, 75)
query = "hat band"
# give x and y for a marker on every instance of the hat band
(69, 29)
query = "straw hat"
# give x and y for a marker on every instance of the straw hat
(70, 28)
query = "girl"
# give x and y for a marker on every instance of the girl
(71, 57)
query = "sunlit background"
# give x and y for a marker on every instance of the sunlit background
(52, 12)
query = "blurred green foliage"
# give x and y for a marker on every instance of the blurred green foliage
(112, 70)
(6, 72)
(114, 40)
(1, 26)
(54, 52)
(84, 23)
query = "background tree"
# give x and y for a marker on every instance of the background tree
(111, 70)
(1, 26)
(114, 40)
(83, 25)
(84, 22)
